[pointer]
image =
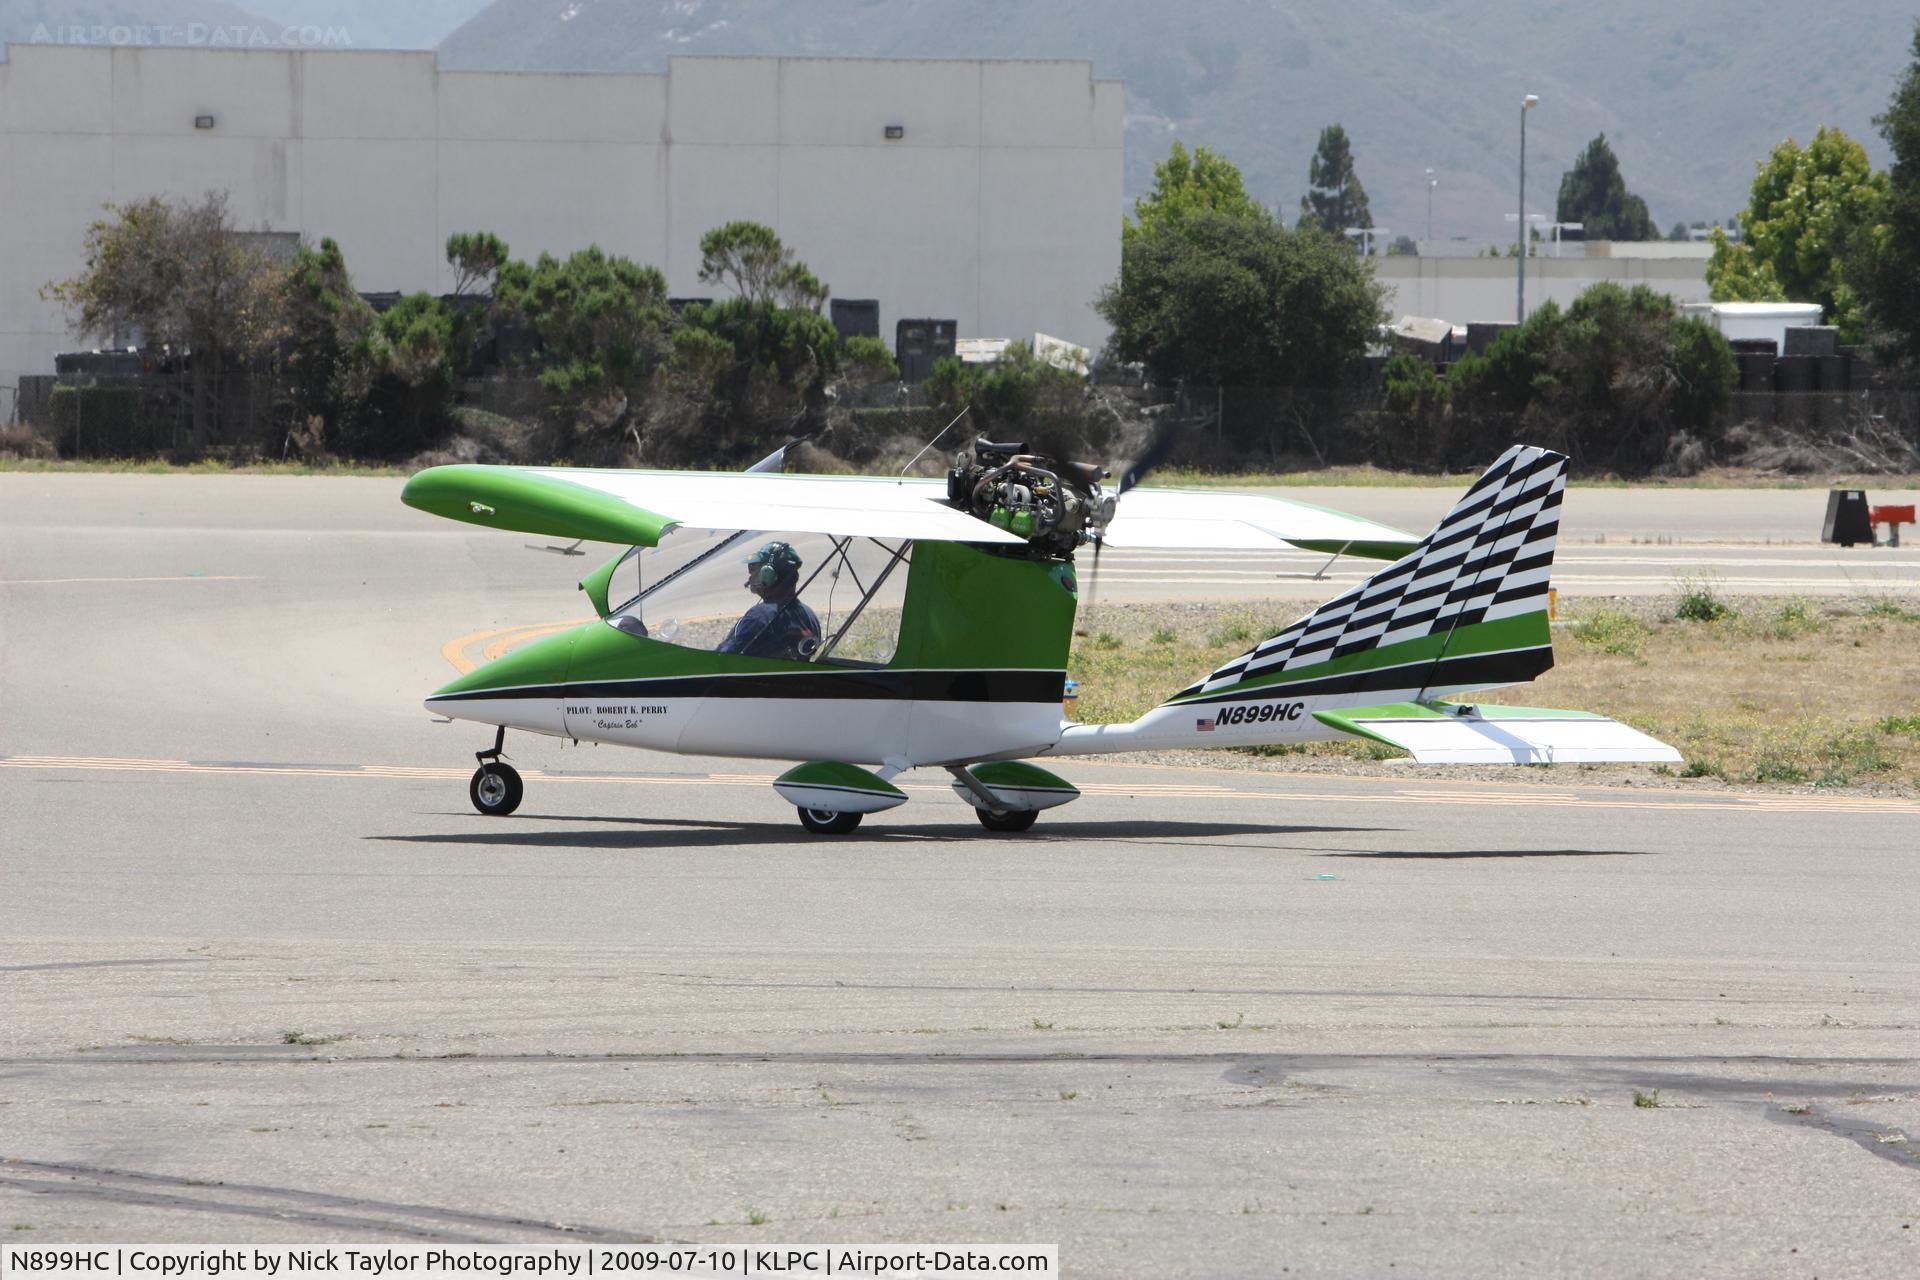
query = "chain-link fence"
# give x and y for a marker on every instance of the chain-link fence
(254, 414)
(163, 414)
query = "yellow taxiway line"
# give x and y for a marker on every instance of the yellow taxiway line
(499, 640)
(1392, 793)
(165, 577)
(502, 639)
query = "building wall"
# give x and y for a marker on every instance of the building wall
(1000, 207)
(1472, 289)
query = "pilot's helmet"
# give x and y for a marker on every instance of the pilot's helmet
(772, 562)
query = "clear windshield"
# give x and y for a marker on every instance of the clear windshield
(841, 605)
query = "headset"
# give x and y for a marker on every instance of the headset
(772, 562)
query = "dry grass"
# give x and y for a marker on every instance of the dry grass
(21, 443)
(1774, 691)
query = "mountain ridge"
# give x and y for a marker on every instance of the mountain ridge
(1690, 97)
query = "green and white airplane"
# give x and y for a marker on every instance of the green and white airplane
(906, 623)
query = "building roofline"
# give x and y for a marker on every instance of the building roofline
(7, 53)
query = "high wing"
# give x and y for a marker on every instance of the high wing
(639, 507)
(1197, 520)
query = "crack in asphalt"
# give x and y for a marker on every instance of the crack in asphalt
(282, 1204)
(1886, 1141)
(235, 1054)
(99, 964)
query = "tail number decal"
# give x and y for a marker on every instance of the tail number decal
(1259, 712)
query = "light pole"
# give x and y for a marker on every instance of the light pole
(1558, 227)
(1520, 221)
(1431, 183)
(1364, 238)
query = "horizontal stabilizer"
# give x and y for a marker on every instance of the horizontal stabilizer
(1459, 733)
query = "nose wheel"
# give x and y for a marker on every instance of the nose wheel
(496, 789)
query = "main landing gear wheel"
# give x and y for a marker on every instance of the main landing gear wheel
(1011, 820)
(496, 789)
(823, 822)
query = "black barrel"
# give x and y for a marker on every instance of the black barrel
(1795, 373)
(1812, 340)
(1481, 333)
(855, 317)
(1756, 370)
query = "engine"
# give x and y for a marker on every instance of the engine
(1055, 506)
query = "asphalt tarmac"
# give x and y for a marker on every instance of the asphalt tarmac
(268, 977)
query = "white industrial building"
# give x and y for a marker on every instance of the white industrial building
(980, 191)
(1467, 289)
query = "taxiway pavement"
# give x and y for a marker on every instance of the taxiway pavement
(268, 977)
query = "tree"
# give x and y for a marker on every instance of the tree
(869, 359)
(602, 319)
(1020, 396)
(181, 276)
(1242, 301)
(1736, 274)
(411, 360)
(749, 371)
(476, 257)
(1889, 271)
(1594, 194)
(378, 385)
(1812, 209)
(749, 258)
(326, 320)
(1336, 200)
(1619, 380)
(1185, 184)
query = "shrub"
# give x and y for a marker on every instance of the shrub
(868, 359)
(1846, 755)
(1618, 380)
(1022, 397)
(1769, 766)
(1797, 617)
(1611, 630)
(1699, 602)
(18, 440)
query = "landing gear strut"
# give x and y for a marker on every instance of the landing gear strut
(496, 788)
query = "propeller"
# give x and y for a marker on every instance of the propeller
(1159, 446)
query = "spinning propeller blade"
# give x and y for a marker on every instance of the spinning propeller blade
(1165, 436)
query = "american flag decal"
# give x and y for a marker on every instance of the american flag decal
(1204, 725)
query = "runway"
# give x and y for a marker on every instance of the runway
(267, 976)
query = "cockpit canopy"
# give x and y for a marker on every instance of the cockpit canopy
(693, 589)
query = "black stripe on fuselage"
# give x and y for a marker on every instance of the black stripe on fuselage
(1515, 667)
(920, 686)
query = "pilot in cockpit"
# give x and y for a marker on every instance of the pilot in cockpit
(780, 626)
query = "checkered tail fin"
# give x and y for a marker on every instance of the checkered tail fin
(1466, 609)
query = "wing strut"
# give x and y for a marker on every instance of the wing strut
(879, 579)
